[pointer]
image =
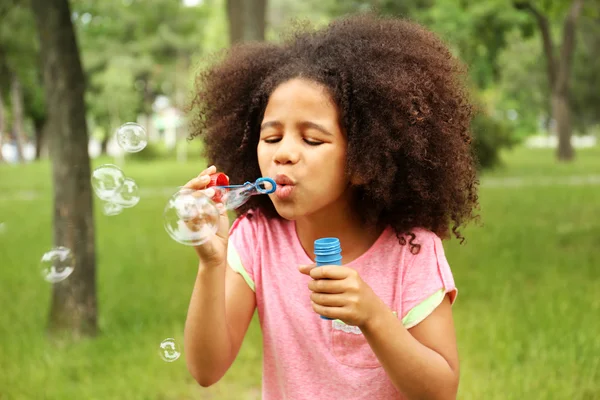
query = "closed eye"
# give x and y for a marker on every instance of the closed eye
(307, 141)
(311, 142)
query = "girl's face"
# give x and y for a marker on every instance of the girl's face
(303, 148)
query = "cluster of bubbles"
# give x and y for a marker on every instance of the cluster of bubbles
(115, 189)
(110, 184)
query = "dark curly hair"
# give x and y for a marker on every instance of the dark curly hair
(403, 105)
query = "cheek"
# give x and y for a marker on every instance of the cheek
(333, 170)
(262, 155)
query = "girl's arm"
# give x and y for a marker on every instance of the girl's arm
(220, 311)
(422, 362)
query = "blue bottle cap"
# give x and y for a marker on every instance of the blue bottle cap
(327, 246)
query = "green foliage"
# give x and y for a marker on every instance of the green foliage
(19, 56)
(585, 93)
(523, 85)
(134, 51)
(490, 137)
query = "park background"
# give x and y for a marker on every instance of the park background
(527, 316)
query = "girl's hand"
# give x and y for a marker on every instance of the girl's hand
(214, 250)
(338, 292)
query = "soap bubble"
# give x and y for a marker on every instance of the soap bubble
(106, 180)
(128, 195)
(109, 209)
(169, 350)
(57, 264)
(190, 217)
(132, 137)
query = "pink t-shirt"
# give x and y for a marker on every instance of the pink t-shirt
(306, 357)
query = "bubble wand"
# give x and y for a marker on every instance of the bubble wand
(192, 218)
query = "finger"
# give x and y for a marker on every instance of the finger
(210, 170)
(210, 192)
(328, 300)
(333, 286)
(198, 183)
(329, 312)
(305, 269)
(331, 272)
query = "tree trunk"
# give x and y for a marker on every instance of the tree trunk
(560, 110)
(560, 96)
(247, 20)
(558, 71)
(40, 129)
(235, 16)
(16, 99)
(73, 310)
(255, 20)
(104, 143)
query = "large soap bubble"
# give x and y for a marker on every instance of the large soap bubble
(131, 137)
(190, 217)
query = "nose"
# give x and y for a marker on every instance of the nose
(287, 151)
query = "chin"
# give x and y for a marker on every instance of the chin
(286, 211)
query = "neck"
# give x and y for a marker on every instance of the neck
(341, 222)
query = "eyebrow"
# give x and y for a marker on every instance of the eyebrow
(304, 124)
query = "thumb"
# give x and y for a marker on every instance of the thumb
(305, 269)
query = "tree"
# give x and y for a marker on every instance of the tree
(73, 308)
(558, 70)
(20, 71)
(16, 100)
(247, 20)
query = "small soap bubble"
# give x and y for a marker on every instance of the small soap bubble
(57, 264)
(169, 350)
(132, 137)
(110, 209)
(2, 227)
(190, 217)
(128, 195)
(106, 180)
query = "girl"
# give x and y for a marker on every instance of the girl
(364, 125)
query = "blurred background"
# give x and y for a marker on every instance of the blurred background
(111, 327)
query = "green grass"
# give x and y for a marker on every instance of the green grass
(526, 316)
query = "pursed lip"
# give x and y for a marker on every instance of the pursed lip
(283, 180)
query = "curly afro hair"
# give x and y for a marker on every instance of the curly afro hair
(403, 104)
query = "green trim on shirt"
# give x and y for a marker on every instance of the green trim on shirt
(422, 310)
(235, 262)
